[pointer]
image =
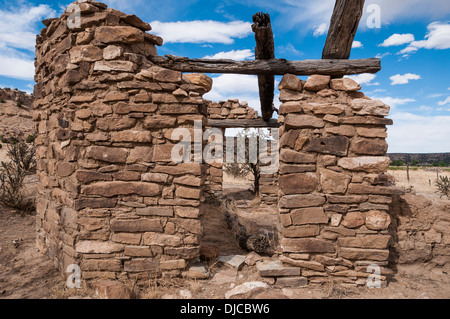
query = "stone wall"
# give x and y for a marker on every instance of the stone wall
(268, 188)
(334, 195)
(231, 109)
(420, 230)
(110, 199)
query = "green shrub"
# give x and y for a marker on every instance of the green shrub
(236, 170)
(414, 162)
(30, 139)
(440, 164)
(19, 104)
(13, 140)
(397, 163)
(443, 186)
(2, 101)
(12, 176)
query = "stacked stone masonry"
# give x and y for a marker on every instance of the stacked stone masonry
(334, 195)
(111, 200)
(231, 109)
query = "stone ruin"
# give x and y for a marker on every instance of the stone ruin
(111, 200)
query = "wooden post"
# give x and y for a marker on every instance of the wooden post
(343, 27)
(407, 171)
(265, 50)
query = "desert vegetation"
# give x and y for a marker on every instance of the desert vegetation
(22, 163)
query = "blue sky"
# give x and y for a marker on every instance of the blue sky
(413, 42)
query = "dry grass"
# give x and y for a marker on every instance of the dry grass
(229, 179)
(196, 286)
(152, 292)
(62, 292)
(421, 180)
(338, 291)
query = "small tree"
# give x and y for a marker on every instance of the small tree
(440, 164)
(244, 169)
(236, 170)
(443, 186)
(397, 163)
(12, 176)
(30, 139)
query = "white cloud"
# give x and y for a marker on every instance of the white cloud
(18, 28)
(289, 49)
(445, 102)
(425, 108)
(236, 86)
(438, 37)
(16, 68)
(409, 10)
(406, 51)
(364, 78)
(382, 55)
(231, 86)
(392, 101)
(238, 55)
(413, 133)
(206, 31)
(308, 15)
(321, 29)
(397, 39)
(357, 44)
(403, 79)
(435, 95)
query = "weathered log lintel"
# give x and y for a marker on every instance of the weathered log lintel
(265, 50)
(242, 123)
(336, 67)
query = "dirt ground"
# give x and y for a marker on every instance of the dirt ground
(27, 274)
(421, 180)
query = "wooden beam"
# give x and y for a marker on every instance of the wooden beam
(242, 123)
(343, 27)
(265, 50)
(269, 67)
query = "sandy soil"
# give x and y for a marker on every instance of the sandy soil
(421, 180)
(25, 273)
